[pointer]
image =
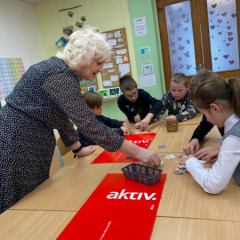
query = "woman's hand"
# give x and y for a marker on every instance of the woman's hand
(86, 151)
(148, 157)
(125, 124)
(192, 147)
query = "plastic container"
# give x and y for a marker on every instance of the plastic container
(141, 173)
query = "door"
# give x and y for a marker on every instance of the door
(199, 34)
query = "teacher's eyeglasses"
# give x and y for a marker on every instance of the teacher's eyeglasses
(132, 96)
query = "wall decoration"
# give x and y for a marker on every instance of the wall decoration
(79, 25)
(92, 89)
(114, 92)
(68, 30)
(11, 70)
(69, 12)
(104, 93)
(60, 41)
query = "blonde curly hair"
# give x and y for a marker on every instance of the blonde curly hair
(84, 46)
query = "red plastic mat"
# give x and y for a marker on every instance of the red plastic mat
(119, 208)
(142, 140)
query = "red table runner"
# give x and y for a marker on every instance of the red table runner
(142, 140)
(118, 209)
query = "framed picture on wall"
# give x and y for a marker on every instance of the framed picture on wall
(114, 92)
(104, 93)
(92, 88)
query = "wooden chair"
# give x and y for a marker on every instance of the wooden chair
(61, 150)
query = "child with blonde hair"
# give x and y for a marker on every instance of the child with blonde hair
(218, 99)
(177, 100)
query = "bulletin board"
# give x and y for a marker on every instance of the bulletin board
(84, 84)
(119, 63)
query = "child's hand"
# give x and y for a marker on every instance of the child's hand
(86, 151)
(125, 124)
(207, 153)
(183, 160)
(170, 118)
(192, 147)
(143, 124)
(137, 118)
(213, 156)
(125, 130)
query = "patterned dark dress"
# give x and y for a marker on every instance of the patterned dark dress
(45, 98)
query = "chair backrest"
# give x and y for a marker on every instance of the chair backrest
(62, 149)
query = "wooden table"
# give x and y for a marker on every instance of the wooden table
(194, 229)
(154, 127)
(47, 225)
(37, 225)
(185, 210)
(196, 120)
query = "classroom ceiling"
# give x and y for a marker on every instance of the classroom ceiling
(33, 1)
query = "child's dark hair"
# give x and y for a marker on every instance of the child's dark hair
(180, 78)
(207, 87)
(127, 83)
(93, 99)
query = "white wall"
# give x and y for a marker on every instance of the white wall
(20, 37)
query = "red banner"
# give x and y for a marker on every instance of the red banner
(142, 140)
(118, 209)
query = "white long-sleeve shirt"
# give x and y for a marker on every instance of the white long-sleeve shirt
(214, 180)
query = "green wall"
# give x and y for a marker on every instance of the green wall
(147, 8)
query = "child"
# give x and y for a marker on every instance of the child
(94, 101)
(138, 105)
(177, 100)
(219, 100)
(209, 154)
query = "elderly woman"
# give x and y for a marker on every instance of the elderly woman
(46, 98)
